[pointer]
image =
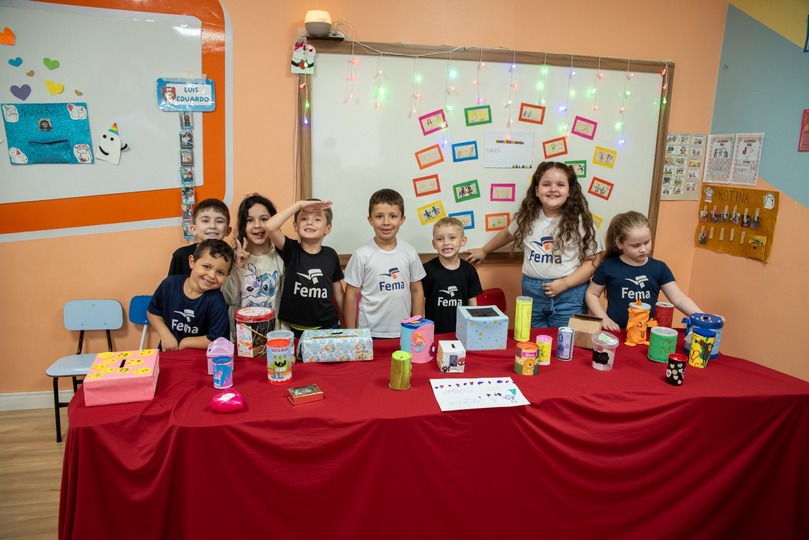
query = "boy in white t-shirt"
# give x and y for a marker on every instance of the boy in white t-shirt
(386, 272)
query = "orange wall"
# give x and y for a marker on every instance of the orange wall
(43, 274)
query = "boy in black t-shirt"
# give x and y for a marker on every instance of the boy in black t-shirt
(313, 279)
(450, 281)
(189, 312)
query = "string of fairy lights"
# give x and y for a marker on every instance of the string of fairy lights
(418, 86)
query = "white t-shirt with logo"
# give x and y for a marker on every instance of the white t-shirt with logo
(539, 259)
(384, 278)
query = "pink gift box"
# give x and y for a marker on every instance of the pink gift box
(122, 377)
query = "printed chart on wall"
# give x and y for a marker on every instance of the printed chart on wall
(82, 128)
(462, 138)
(682, 166)
(733, 159)
(738, 221)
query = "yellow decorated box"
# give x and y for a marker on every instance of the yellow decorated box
(122, 377)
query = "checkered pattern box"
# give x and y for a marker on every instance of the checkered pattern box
(481, 328)
(338, 345)
(122, 377)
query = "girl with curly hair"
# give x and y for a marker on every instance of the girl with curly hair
(561, 250)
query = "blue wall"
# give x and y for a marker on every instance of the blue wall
(763, 86)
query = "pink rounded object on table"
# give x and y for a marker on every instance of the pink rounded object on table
(228, 401)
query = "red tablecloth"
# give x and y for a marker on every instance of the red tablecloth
(617, 454)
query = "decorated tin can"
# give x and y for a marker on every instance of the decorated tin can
(544, 344)
(564, 344)
(252, 326)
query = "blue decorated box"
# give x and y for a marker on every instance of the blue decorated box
(338, 345)
(481, 328)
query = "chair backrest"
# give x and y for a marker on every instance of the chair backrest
(493, 297)
(137, 314)
(137, 308)
(93, 315)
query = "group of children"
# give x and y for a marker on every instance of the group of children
(564, 270)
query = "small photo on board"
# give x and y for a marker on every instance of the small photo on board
(186, 138)
(466, 191)
(188, 195)
(604, 157)
(467, 218)
(187, 157)
(431, 212)
(534, 114)
(426, 185)
(429, 156)
(187, 176)
(186, 119)
(579, 167)
(497, 222)
(476, 116)
(433, 121)
(465, 151)
(188, 212)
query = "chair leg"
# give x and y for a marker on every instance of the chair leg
(56, 409)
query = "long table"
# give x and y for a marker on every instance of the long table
(618, 454)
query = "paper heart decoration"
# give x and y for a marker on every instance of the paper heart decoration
(7, 36)
(16, 62)
(21, 92)
(30, 73)
(50, 64)
(54, 87)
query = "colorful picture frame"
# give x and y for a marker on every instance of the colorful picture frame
(554, 147)
(601, 188)
(597, 220)
(465, 151)
(497, 221)
(427, 157)
(431, 212)
(604, 157)
(466, 191)
(467, 218)
(187, 176)
(584, 127)
(534, 114)
(502, 192)
(579, 167)
(433, 121)
(426, 185)
(479, 115)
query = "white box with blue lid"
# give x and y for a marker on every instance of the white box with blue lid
(481, 328)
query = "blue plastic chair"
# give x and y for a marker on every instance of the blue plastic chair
(82, 315)
(137, 314)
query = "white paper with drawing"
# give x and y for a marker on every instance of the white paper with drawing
(482, 393)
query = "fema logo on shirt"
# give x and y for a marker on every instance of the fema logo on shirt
(313, 291)
(184, 326)
(390, 281)
(639, 291)
(542, 251)
(446, 297)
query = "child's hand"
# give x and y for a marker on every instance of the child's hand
(554, 288)
(169, 343)
(315, 205)
(475, 255)
(240, 254)
(609, 324)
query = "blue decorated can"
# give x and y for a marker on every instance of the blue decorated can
(564, 344)
(222, 372)
(715, 323)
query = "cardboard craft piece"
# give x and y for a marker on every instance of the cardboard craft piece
(122, 377)
(584, 326)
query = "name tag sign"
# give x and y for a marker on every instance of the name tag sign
(196, 95)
